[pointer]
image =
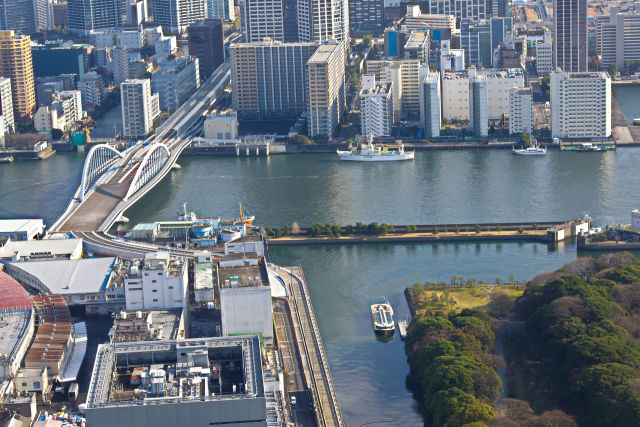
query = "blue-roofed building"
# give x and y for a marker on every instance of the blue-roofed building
(96, 283)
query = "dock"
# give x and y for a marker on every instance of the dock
(313, 356)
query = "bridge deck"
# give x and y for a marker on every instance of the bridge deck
(93, 211)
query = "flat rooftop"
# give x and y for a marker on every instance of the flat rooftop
(323, 53)
(13, 225)
(73, 276)
(203, 275)
(380, 88)
(49, 248)
(146, 325)
(12, 328)
(243, 277)
(176, 371)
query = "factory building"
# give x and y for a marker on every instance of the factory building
(21, 229)
(41, 249)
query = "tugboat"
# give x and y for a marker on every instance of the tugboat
(8, 159)
(402, 328)
(369, 152)
(186, 215)
(382, 317)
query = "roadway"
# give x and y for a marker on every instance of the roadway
(312, 355)
(107, 201)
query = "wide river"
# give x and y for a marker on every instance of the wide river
(438, 187)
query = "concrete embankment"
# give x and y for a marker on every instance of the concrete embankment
(522, 231)
(528, 235)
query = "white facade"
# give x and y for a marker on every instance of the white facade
(176, 15)
(6, 105)
(160, 284)
(331, 21)
(544, 58)
(165, 45)
(618, 37)
(404, 76)
(236, 319)
(580, 105)
(221, 126)
(245, 244)
(451, 59)
(176, 81)
(430, 112)
(43, 14)
(71, 102)
(418, 21)
(129, 39)
(46, 119)
(151, 35)
(21, 229)
(139, 108)
(376, 107)
(473, 9)
(520, 111)
(455, 93)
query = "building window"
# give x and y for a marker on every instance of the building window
(155, 290)
(170, 287)
(155, 300)
(36, 384)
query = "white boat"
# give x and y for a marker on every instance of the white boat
(382, 317)
(402, 328)
(531, 151)
(369, 152)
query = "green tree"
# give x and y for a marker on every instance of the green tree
(613, 70)
(478, 229)
(435, 230)
(300, 140)
(525, 140)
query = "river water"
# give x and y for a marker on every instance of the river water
(438, 187)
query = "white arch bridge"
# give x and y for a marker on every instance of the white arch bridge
(99, 161)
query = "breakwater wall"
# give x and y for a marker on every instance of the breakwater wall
(518, 231)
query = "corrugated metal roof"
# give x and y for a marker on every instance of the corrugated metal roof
(14, 297)
(70, 371)
(51, 246)
(72, 276)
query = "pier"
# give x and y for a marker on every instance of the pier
(314, 361)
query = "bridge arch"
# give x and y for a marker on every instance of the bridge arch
(157, 155)
(100, 158)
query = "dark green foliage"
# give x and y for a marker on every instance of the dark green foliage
(449, 374)
(584, 320)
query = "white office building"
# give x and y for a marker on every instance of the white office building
(478, 110)
(520, 111)
(6, 105)
(376, 107)
(430, 112)
(158, 283)
(472, 9)
(455, 92)
(580, 105)
(175, 81)
(139, 108)
(618, 37)
(176, 15)
(129, 39)
(544, 58)
(165, 45)
(404, 76)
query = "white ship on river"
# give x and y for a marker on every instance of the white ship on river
(370, 152)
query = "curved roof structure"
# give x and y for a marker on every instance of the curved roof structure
(14, 296)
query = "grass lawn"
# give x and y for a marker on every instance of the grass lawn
(460, 297)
